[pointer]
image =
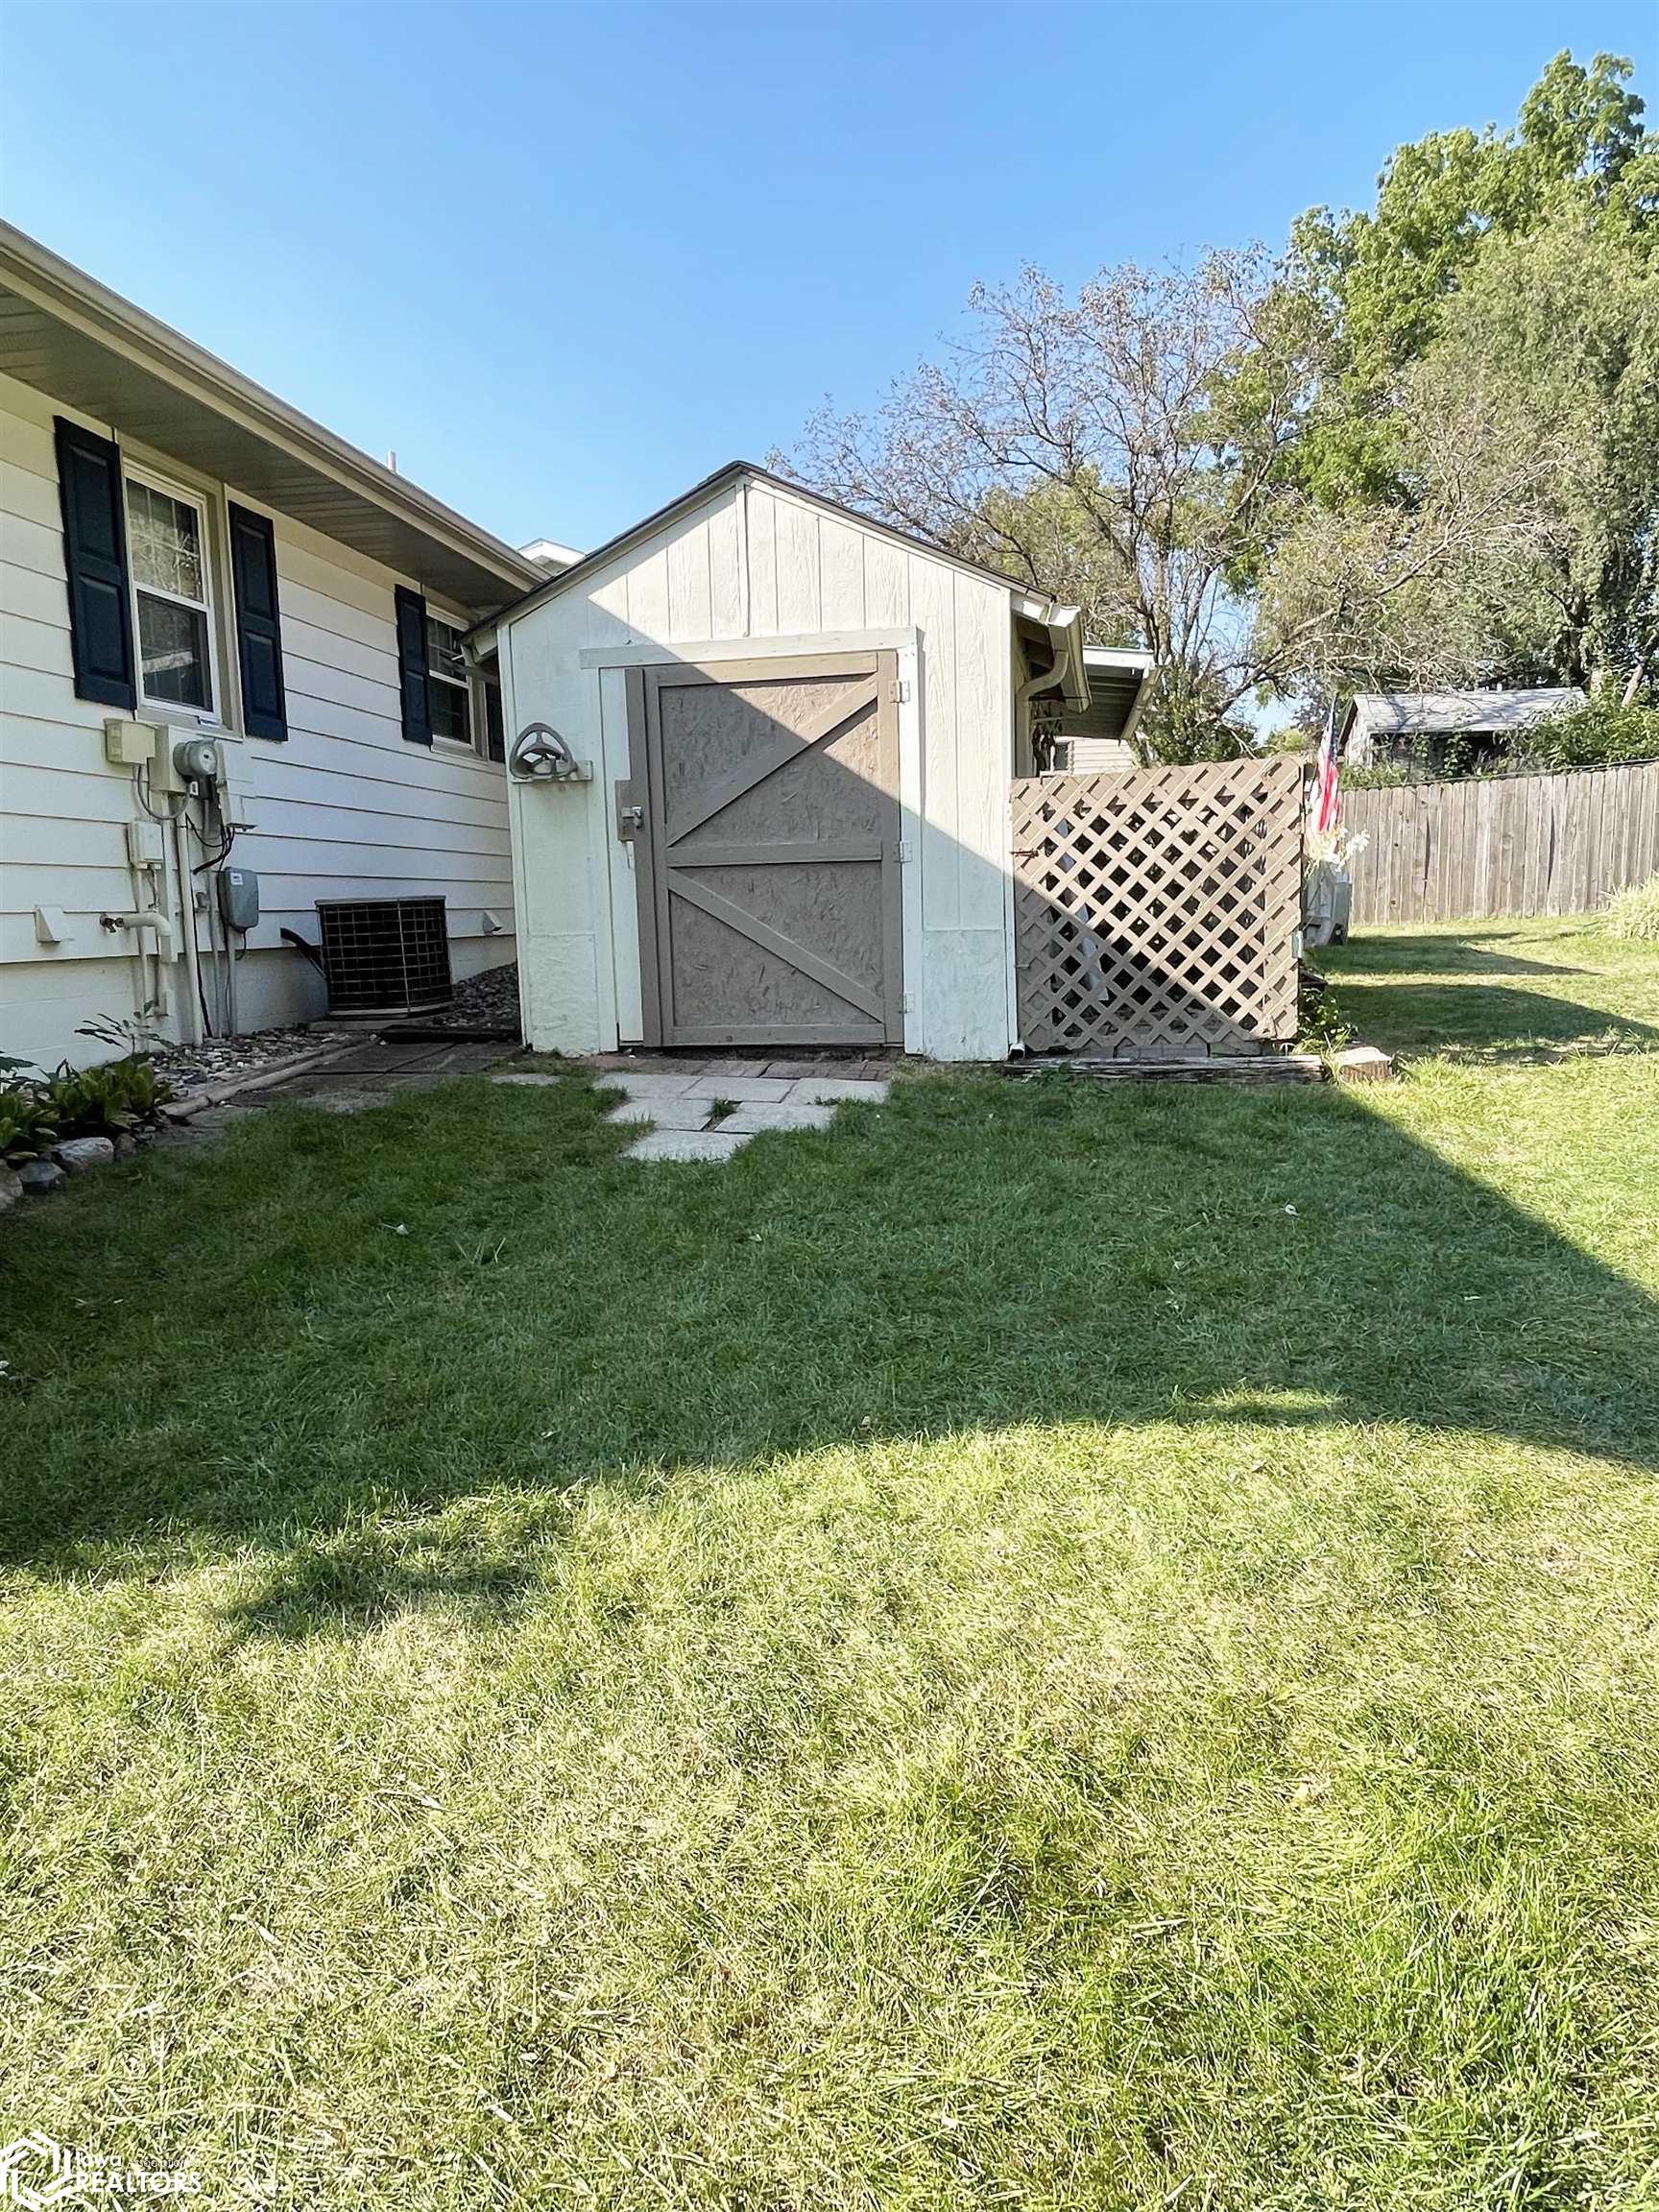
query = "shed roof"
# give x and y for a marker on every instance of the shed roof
(1450, 713)
(580, 570)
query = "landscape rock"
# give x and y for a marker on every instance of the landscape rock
(81, 1154)
(220, 1060)
(40, 1176)
(125, 1146)
(10, 1188)
(488, 1001)
(1362, 1064)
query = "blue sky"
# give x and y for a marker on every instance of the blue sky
(566, 260)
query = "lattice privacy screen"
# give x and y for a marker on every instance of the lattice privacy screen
(1156, 909)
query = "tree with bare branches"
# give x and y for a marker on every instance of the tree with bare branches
(1119, 447)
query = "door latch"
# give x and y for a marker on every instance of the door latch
(630, 816)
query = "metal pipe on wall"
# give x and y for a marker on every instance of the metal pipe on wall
(188, 930)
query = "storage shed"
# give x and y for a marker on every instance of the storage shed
(777, 741)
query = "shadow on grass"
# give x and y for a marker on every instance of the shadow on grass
(1434, 952)
(1485, 1023)
(324, 1343)
(359, 1579)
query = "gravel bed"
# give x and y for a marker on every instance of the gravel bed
(489, 1001)
(486, 1002)
(191, 1068)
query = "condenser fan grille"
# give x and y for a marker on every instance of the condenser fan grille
(385, 955)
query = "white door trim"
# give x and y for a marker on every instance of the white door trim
(647, 653)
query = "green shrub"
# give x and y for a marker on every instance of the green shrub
(101, 1101)
(1634, 913)
(1321, 1024)
(1598, 734)
(37, 1112)
(28, 1126)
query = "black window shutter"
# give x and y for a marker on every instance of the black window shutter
(95, 559)
(258, 624)
(412, 668)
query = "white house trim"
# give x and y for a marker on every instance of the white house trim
(645, 652)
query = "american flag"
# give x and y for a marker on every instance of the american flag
(1325, 800)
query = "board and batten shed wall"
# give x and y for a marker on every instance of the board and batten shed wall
(343, 808)
(749, 566)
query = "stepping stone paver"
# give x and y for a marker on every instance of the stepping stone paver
(706, 1144)
(826, 1090)
(661, 1112)
(671, 1105)
(743, 1090)
(790, 1114)
(652, 1086)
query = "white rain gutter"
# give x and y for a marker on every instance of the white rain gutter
(1063, 625)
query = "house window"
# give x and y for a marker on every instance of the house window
(451, 691)
(172, 597)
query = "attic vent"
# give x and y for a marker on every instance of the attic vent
(385, 955)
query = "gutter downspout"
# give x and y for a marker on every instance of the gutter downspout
(1063, 634)
(1148, 678)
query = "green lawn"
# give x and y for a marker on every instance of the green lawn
(1514, 990)
(1048, 1647)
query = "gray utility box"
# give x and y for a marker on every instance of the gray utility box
(238, 897)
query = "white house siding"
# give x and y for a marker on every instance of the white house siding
(344, 808)
(1097, 756)
(754, 564)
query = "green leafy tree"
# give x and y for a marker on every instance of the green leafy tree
(1419, 448)
(1563, 327)
(1378, 281)
(1519, 538)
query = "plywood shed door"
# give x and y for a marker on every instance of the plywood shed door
(767, 859)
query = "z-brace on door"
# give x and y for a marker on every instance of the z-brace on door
(768, 851)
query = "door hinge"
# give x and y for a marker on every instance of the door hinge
(902, 690)
(907, 1001)
(906, 850)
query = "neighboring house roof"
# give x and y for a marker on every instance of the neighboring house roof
(547, 553)
(1040, 604)
(87, 347)
(1454, 713)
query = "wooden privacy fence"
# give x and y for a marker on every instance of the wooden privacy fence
(1155, 911)
(1558, 844)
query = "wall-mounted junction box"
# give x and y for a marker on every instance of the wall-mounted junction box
(238, 897)
(130, 744)
(165, 780)
(144, 843)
